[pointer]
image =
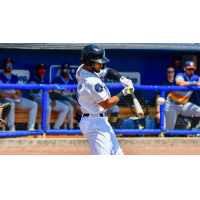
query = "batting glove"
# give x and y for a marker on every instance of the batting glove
(127, 83)
(126, 91)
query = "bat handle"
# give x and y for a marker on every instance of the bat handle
(133, 95)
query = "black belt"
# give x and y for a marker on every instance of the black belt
(87, 115)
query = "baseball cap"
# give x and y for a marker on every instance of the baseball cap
(189, 64)
(7, 60)
(65, 66)
(40, 66)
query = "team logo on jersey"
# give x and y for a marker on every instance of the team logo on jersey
(79, 87)
(98, 88)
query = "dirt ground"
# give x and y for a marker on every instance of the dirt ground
(85, 150)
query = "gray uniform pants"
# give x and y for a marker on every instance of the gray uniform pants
(114, 109)
(60, 107)
(24, 104)
(172, 110)
(70, 113)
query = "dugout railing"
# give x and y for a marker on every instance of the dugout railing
(141, 132)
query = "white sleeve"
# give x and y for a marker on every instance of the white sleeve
(97, 91)
(103, 72)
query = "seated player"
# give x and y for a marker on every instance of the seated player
(52, 104)
(177, 101)
(66, 96)
(170, 72)
(14, 97)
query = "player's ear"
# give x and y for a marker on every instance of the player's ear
(184, 68)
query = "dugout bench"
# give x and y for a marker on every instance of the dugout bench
(22, 115)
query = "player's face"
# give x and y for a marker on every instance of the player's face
(97, 67)
(40, 73)
(170, 73)
(189, 71)
(8, 67)
(65, 72)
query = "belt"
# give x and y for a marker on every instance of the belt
(87, 115)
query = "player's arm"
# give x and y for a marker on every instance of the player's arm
(3, 95)
(110, 102)
(188, 83)
(112, 74)
(19, 94)
(180, 82)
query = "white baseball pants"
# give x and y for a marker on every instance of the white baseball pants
(172, 110)
(100, 135)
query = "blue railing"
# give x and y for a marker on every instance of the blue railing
(47, 87)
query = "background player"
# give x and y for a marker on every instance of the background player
(15, 95)
(65, 96)
(94, 98)
(170, 72)
(177, 101)
(52, 104)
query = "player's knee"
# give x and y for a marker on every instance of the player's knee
(71, 108)
(34, 105)
(49, 108)
(116, 109)
(12, 105)
(65, 109)
(198, 112)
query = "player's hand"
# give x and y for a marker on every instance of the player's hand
(126, 91)
(15, 97)
(127, 83)
(158, 116)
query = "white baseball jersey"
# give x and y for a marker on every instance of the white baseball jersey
(91, 90)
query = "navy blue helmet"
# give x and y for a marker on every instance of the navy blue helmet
(93, 53)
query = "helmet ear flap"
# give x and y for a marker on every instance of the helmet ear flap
(86, 60)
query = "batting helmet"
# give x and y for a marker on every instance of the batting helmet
(93, 53)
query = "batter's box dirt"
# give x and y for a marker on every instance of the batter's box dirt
(85, 150)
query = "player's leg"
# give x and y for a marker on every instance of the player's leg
(11, 116)
(114, 115)
(74, 103)
(32, 106)
(190, 109)
(171, 112)
(100, 136)
(99, 143)
(114, 144)
(70, 114)
(39, 101)
(63, 109)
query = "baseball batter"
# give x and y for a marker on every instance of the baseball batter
(177, 101)
(94, 98)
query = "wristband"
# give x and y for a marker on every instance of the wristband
(120, 95)
(192, 83)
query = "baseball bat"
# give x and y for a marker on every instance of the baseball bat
(137, 105)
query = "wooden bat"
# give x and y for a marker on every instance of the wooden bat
(137, 105)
